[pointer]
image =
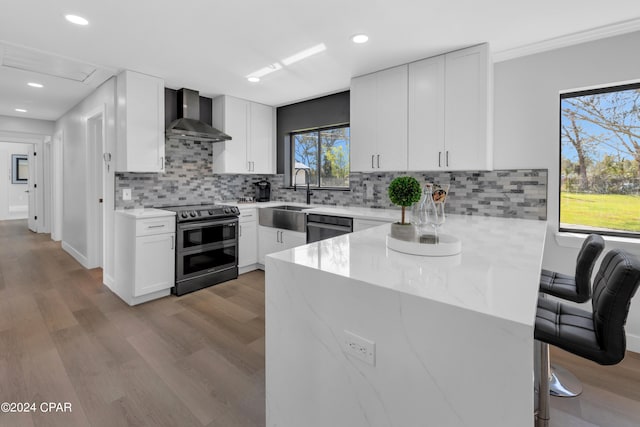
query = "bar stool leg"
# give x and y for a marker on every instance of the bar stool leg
(542, 418)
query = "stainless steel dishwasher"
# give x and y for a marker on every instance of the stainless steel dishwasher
(320, 227)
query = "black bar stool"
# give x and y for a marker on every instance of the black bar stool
(577, 289)
(598, 336)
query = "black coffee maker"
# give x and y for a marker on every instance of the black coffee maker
(263, 191)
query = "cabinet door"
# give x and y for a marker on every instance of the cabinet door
(363, 118)
(140, 123)
(391, 120)
(231, 156)
(261, 148)
(426, 114)
(290, 239)
(268, 242)
(248, 243)
(467, 109)
(155, 263)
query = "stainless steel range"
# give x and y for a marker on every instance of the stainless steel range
(206, 246)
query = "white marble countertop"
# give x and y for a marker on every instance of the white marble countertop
(376, 214)
(496, 274)
(145, 212)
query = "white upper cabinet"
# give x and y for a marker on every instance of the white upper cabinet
(379, 121)
(426, 114)
(251, 127)
(450, 111)
(140, 123)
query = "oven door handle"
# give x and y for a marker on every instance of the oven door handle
(201, 224)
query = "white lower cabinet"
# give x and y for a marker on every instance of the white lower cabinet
(145, 255)
(272, 240)
(248, 240)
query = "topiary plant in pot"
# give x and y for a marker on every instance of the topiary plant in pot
(404, 191)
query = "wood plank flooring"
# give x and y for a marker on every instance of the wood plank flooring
(197, 360)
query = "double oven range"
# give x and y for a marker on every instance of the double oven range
(206, 246)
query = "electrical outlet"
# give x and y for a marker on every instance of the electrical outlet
(126, 194)
(360, 348)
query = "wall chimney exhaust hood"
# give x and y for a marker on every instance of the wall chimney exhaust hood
(188, 125)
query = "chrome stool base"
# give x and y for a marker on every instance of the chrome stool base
(563, 383)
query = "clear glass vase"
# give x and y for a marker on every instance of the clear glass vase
(428, 214)
(420, 213)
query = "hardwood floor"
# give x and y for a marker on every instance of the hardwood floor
(197, 360)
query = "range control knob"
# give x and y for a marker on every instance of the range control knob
(184, 214)
(235, 210)
(210, 211)
(193, 214)
(227, 210)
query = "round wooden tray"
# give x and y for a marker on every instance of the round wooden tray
(447, 245)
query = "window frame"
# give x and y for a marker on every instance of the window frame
(576, 94)
(292, 159)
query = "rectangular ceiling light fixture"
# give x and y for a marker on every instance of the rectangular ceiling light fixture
(304, 54)
(266, 70)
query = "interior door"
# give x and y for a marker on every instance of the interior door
(32, 188)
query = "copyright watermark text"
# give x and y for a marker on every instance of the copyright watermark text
(44, 407)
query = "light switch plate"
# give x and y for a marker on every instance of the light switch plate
(126, 194)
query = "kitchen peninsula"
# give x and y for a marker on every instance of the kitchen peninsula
(443, 341)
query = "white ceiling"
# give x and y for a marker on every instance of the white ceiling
(211, 45)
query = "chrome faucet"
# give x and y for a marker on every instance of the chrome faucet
(307, 180)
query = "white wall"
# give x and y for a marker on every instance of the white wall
(14, 200)
(28, 126)
(77, 168)
(527, 126)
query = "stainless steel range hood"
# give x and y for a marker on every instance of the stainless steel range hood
(188, 125)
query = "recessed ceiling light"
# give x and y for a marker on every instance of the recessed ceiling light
(21, 110)
(360, 38)
(304, 54)
(78, 20)
(35, 84)
(253, 79)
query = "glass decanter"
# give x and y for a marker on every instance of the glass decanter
(420, 214)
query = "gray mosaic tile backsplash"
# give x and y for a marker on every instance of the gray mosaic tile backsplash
(188, 179)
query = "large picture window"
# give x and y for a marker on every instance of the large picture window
(325, 155)
(600, 161)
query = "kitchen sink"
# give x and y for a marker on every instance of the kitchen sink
(286, 216)
(291, 208)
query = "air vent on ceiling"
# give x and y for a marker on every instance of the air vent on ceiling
(37, 61)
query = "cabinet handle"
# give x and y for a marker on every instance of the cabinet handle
(277, 236)
(239, 230)
(156, 226)
(378, 161)
(161, 163)
(372, 156)
(439, 157)
(447, 158)
(253, 166)
(172, 243)
(282, 237)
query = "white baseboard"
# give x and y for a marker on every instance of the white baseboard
(108, 281)
(247, 268)
(633, 343)
(75, 254)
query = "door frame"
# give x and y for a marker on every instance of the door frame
(42, 224)
(95, 187)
